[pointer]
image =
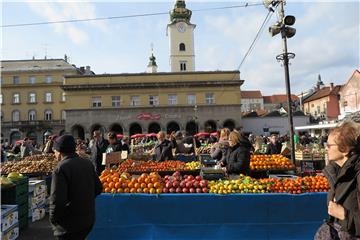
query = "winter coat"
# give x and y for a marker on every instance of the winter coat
(117, 147)
(219, 150)
(273, 148)
(345, 188)
(163, 150)
(74, 187)
(97, 149)
(238, 159)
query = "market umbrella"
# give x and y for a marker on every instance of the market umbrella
(18, 142)
(201, 134)
(151, 135)
(214, 134)
(119, 135)
(138, 135)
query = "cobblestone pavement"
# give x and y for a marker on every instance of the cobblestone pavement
(39, 230)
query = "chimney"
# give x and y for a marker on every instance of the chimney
(331, 86)
(88, 70)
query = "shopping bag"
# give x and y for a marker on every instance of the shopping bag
(332, 231)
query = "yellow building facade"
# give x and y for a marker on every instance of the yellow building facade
(32, 102)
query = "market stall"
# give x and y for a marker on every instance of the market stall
(208, 216)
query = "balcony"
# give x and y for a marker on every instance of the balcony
(41, 124)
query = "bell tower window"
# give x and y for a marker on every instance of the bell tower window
(181, 47)
(183, 66)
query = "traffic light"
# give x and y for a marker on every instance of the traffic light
(289, 20)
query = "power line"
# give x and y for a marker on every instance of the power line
(266, 20)
(121, 17)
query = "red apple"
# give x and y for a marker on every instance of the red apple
(198, 178)
(198, 190)
(192, 190)
(196, 184)
(172, 190)
(188, 184)
(177, 173)
(185, 176)
(204, 190)
(165, 190)
(168, 184)
(203, 183)
(182, 184)
(178, 190)
(185, 190)
(175, 184)
(177, 177)
(190, 177)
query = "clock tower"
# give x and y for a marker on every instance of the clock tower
(181, 38)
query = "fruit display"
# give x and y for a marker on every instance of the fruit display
(184, 184)
(192, 165)
(310, 152)
(114, 182)
(244, 184)
(270, 162)
(151, 166)
(32, 164)
(204, 149)
(298, 185)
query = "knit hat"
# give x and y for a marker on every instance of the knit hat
(65, 144)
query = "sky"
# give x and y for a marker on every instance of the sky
(326, 41)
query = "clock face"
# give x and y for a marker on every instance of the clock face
(181, 27)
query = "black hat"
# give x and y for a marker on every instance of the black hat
(65, 144)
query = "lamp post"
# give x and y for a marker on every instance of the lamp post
(195, 118)
(282, 26)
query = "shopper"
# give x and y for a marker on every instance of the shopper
(26, 148)
(99, 145)
(238, 155)
(49, 144)
(114, 144)
(218, 151)
(343, 174)
(74, 187)
(163, 149)
(274, 147)
(180, 147)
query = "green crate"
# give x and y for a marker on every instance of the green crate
(23, 208)
(10, 196)
(23, 221)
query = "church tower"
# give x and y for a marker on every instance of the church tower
(181, 38)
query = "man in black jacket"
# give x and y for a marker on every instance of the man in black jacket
(163, 149)
(74, 188)
(99, 146)
(274, 147)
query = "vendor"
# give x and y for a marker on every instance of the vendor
(114, 144)
(237, 159)
(218, 151)
(163, 149)
(274, 147)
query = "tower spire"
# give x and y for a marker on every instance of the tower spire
(152, 67)
(180, 12)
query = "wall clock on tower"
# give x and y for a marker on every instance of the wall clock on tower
(181, 27)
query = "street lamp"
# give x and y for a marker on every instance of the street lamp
(195, 118)
(282, 26)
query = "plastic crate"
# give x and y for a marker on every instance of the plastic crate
(10, 196)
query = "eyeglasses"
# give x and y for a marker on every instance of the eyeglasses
(328, 145)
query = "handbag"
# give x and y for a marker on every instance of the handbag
(332, 231)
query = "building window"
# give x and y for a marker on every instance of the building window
(63, 115)
(16, 98)
(32, 79)
(48, 115)
(32, 97)
(96, 102)
(191, 99)
(48, 97)
(2, 116)
(32, 115)
(1, 98)
(134, 101)
(312, 105)
(183, 66)
(182, 47)
(48, 79)
(115, 101)
(153, 100)
(15, 116)
(172, 99)
(63, 97)
(16, 79)
(209, 98)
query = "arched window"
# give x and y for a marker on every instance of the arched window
(32, 115)
(182, 47)
(48, 115)
(15, 116)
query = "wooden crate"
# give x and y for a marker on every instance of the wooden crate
(303, 156)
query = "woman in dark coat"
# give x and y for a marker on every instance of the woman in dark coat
(343, 174)
(238, 155)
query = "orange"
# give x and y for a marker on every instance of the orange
(106, 184)
(158, 191)
(120, 190)
(107, 190)
(132, 190)
(156, 185)
(150, 185)
(145, 190)
(130, 185)
(152, 190)
(137, 185)
(117, 185)
(143, 185)
(113, 190)
(139, 190)
(126, 190)
(111, 184)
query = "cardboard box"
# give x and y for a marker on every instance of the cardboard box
(112, 158)
(37, 201)
(37, 187)
(11, 234)
(9, 216)
(37, 213)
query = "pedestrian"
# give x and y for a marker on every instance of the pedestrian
(98, 147)
(343, 174)
(26, 148)
(114, 144)
(274, 147)
(163, 149)
(218, 151)
(74, 187)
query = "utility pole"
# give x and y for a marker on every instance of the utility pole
(282, 26)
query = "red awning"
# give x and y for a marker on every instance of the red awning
(201, 134)
(214, 134)
(138, 135)
(151, 135)
(119, 135)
